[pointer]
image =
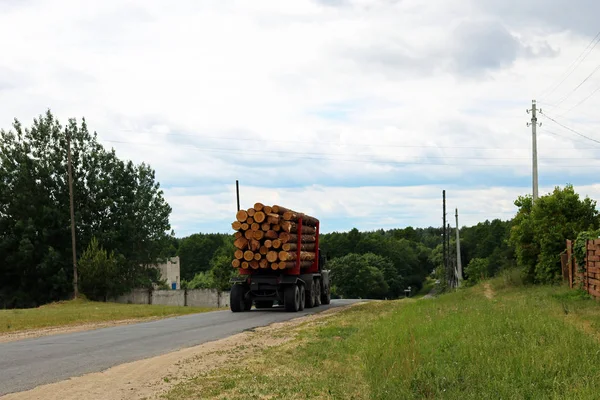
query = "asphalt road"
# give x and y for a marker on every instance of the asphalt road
(28, 363)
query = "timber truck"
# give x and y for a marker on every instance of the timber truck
(301, 284)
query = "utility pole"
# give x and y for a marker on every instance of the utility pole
(445, 259)
(75, 286)
(449, 271)
(458, 261)
(237, 191)
(534, 125)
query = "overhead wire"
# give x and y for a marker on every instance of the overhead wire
(573, 66)
(569, 128)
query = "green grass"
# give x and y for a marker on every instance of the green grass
(77, 312)
(524, 343)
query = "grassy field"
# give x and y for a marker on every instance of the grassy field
(491, 341)
(77, 312)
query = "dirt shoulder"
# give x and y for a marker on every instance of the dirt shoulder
(152, 377)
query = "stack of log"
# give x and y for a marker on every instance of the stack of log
(267, 237)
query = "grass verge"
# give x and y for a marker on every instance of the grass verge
(524, 343)
(78, 312)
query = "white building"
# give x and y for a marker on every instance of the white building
(170, 271)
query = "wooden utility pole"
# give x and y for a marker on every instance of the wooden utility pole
(445, 258)
(237, 192)
(458, 261)
(74, 248)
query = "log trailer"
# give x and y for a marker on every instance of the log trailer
(302, 284)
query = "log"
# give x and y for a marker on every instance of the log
(236, 225)
(238, 235)
(276, 243)
(255, 226)
(268, 243)
(263, 250)
(258, 206)
(271, 235)
(263, 263)
(265, 226)
(284, 237)
(260, 217)
(236, 263)
(245, 265)
(271, 256)
(304, 238)
(239, 254)
(294, 246)
(241, 216)
(250, 220)
(289, 256)
(248, 255)
(295, 217)
(258, 235)
(248, 234)
(251, 212)
(292, 227)
(292, 264)
(254, 245)
(257, 256)
(245, 226)
(276, 227)
(254, 264)
(267, 209)
(273, 218)
(241, 243)
(274, 266)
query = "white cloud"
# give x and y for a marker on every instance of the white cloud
(336, 101)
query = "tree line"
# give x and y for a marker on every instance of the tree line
(122, 230)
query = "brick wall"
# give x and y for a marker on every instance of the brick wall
(590, 279)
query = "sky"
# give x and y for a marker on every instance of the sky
(358, 112)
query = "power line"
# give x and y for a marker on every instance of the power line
(574, 64)
(581, 102)
(304, 156)
(318, 143)
(570, 129)
(578, 86)
(544, 130)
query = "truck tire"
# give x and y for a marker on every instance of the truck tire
(326, 297)
(302, 297)
(317, 292)
(264, 304)
(292, 298)
(237, 303)
(310, 296)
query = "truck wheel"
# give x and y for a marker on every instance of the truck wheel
(236, 298)
(264, 304)
(302, 297)
(292, 298)
(317, 292)
(326, 297)
(310, 296)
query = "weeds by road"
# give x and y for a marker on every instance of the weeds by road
(83, 313)
(523, 343)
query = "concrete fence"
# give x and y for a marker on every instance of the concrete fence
(183, 297)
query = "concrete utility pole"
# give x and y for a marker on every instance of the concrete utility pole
(74, 248)
(458, 261)
(534, 125)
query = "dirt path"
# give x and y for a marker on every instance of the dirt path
(150, 378)
(488, 291)
(33, 333)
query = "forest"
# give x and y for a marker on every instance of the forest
(123, 229)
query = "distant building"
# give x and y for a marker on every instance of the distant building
(170, 272)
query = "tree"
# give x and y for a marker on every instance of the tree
(356, 275)
(539, 231)
(477, 269)
(117, 202)
(100, 273)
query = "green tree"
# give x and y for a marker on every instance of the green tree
(117, 202)
(539, 231)
(477, 269)
(100, 273)
(356, 275)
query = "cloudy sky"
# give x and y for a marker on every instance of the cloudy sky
(359, 112)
